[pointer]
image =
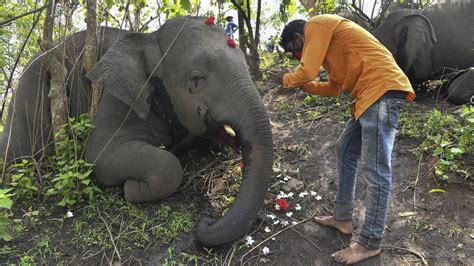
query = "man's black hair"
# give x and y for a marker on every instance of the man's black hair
(229, 18)
(288, 33)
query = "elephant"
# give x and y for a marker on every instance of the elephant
(161, 90)
(432, 42)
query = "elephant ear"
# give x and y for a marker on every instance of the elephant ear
(123, 70)
(415, 38)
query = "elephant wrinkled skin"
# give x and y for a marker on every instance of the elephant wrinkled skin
(160, 90)
(432, 42)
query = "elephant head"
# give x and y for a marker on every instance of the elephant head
(198, 78)
(409, 36)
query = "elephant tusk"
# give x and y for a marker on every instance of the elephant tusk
(229, 130)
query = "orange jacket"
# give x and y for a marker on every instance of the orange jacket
(356, 62)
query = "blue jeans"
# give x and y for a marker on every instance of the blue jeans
(370, 138)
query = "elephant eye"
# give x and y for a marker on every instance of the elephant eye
(196, 81)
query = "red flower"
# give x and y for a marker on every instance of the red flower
(282, 204)
(231, 42)
(210, 20)
(242, 165)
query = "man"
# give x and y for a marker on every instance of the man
(357, 64)
(231, 27)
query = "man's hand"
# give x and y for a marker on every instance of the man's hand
(276, 76)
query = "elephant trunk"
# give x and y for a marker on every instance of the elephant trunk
(257, 156)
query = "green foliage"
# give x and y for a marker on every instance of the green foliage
(181, 258)
(133, 226)
(447, 137)
(5, 214)
(325, 105)
(23, 179)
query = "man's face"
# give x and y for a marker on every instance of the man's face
(295, 47)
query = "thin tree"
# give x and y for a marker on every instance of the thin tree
(90, 52)
(252, 39)
(57, 71)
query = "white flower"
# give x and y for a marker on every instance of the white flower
(294, 223)
(285, 223)
(277, 207)
(271, 216)
(289, 214)
(303, 194)
(265, 251)
(298, 207)
(249, 240)
(69, 214)
(267, 229)
(286, 178)
(290, 195)
(276, 222)
(313, 193)
(281, 195)
(318, 197)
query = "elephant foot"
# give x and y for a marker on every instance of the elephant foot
(149, 190)
(461, 89)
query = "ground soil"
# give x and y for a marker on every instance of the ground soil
(422, 227)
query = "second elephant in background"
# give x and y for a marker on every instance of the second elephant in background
(434, 41)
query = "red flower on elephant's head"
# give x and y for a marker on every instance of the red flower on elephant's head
(231, 42)
(282, 204)
(210, 20)
(242, 165)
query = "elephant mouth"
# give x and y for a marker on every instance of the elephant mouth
(224, 134)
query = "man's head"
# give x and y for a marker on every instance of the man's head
(292, 37)
(229, 18)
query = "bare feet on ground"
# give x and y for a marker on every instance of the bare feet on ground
(344, 227)
(354, 253)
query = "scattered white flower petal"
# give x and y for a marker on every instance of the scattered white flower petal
(277, 207)
(303, 194)
(289, 214)
(265, 251)
(267, 230)
(271, 216)
(298, 207)
(290, 195)
(249, 240)
(294, 223)
(69, 214)
(313, 193)
(286, 178)
(285, 223)
(276, 222)
(318, 197)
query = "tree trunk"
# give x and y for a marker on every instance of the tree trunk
(253, 59)
(58, 73)
(90, 53)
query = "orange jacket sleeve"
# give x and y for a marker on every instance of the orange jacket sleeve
(316, 42)
(329, 88)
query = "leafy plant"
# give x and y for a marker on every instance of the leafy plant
(5, 214)
(446, 137)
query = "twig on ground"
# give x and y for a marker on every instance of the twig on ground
(110, 234)
(416, 182)
(272, 236)
(307, 239)
(423, 260)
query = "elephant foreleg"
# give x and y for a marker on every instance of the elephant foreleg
(147, 172)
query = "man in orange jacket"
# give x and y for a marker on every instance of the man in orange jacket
(357, 64)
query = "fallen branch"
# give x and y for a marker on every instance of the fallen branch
(272, 236)
(423, 260)
(110, 234)
(416, 182)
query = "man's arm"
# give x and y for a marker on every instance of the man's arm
(317, 38)
(329, 88)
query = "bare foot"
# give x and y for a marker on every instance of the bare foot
(344, 227)
(354, 253)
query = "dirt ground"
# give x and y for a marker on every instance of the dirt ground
(422, 227)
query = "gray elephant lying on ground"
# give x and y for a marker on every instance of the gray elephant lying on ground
(160, 89)
(433, 42)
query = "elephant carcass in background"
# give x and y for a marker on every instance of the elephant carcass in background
(158, 91)
(432, 42)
